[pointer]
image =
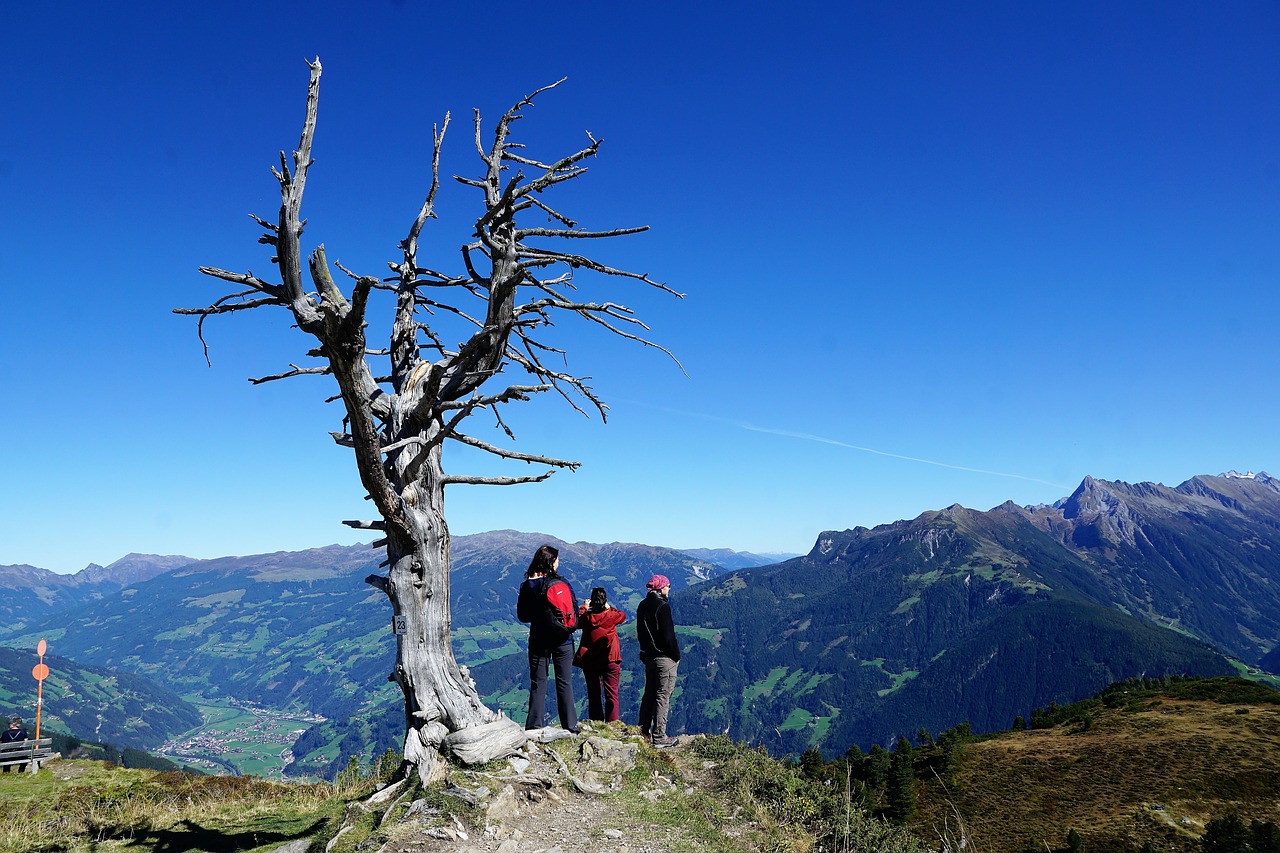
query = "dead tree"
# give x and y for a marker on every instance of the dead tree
(513, 279)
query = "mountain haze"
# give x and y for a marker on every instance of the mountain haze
(49, 592)
(730, 559)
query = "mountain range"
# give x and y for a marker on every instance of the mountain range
(1200, 558)
(50, 592)
(982, 616)
(955, 615)
(301, 631)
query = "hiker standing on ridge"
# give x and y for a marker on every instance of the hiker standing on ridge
(548, 605)
(660, 651)
(600, 656)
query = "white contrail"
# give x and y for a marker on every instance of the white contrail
(805, 436)
(821, 440)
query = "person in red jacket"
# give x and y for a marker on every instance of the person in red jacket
(600, 656)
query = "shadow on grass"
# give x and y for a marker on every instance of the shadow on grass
(191, 836)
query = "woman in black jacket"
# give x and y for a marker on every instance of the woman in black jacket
(550, 640)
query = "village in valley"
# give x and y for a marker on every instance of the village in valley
(240, 737)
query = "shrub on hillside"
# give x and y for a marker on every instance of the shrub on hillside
(804, 794)
(1229, 834)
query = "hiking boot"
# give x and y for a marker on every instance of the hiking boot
(664, 742)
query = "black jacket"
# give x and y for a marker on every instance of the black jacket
(655, 629)
(545, 630)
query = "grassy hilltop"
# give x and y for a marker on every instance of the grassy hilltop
(1141, 764)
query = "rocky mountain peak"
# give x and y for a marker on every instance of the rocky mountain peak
(1091, 497)
(835, 541)
(1101, 513)
(1235, 492)
(1260, 476)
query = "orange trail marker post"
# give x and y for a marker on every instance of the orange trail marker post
(40, 672)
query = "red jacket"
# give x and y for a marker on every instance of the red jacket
(600, 636)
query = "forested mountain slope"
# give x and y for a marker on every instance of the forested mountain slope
(1202, 558)
(954, 615)
(93, 703)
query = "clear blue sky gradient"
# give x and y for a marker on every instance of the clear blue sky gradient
(934, 253)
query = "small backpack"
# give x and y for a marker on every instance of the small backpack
(562, 604)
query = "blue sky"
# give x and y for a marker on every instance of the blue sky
(933, 253)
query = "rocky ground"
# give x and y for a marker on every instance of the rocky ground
(562, 794)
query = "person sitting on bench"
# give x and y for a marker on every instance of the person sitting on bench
(16, 733)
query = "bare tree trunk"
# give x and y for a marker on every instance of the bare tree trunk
(440, 696)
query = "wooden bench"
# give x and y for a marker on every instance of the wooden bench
(28, 752)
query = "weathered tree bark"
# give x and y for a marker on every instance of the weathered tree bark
(397, 422)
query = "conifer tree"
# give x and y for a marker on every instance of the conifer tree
(902, 782)
(812, 763)
(878, 763)
(1225, 835)
(1266, 836)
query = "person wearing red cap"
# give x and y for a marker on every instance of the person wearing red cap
(660, 651)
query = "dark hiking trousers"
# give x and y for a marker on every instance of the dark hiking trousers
(560, 657)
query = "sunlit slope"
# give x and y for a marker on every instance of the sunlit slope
(956, 615)
(1134, 767)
